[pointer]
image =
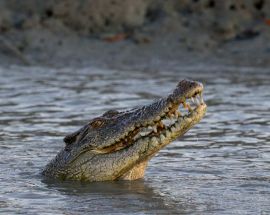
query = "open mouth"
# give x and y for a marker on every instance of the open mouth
(164, 127)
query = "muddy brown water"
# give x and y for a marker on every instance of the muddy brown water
(221, 166)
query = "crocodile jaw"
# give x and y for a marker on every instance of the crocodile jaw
(153, 144)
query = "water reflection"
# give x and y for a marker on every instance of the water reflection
(114, 197)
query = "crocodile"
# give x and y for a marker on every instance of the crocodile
(118, 144)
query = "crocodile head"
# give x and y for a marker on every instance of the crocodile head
(118, 145)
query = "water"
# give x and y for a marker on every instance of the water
(222, 166)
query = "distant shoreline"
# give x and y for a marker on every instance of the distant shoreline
(141, 34)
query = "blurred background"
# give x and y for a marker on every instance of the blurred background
(63, 62)
(141, 32)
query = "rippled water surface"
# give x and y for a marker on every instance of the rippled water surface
(221, 166)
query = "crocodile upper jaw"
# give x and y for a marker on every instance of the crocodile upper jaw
(164, 125)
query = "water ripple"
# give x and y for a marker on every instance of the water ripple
(220, 167)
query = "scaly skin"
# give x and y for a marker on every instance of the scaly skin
(118, 145)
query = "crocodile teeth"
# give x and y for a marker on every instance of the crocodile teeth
(177, 113)
(184, 104)
(171, 116)
(165, 124)
(143, 133)
(189, 107)
(173, 129)
(197, 101)
(168, 134)
(154, 140)
(201, 99)
(162, 137)
(161, 124)
(155, 129)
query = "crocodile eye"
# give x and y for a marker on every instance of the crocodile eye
(97, 123)
(110, 113)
